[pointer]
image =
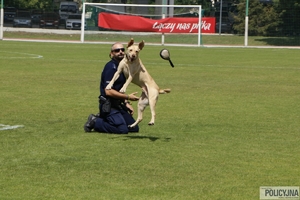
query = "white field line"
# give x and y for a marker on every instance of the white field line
(9, 127)
(19, 55)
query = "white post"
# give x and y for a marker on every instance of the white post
(1, 22)
(164, 2)
(246, 23)
(82, 23)
(163, 34)
(220, 17)
(246, 31)
(200, 25)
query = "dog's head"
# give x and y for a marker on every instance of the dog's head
(133, 50)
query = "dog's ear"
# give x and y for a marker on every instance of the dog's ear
(131, 42)
(141, 44)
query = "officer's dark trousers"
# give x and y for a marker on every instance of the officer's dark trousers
(116, 121)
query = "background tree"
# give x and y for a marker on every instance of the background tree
(205, 4)
(290, 14)
(31, 4)
(263, 19)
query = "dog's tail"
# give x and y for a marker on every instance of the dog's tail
(163, 91)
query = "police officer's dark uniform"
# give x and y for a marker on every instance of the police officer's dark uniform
(114, 115)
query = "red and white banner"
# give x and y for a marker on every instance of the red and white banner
(167, 25)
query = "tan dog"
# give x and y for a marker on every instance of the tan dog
(135, 72)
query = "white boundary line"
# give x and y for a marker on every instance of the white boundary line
(9, 127)
(14, 57)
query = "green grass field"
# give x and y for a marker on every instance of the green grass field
(229, 126)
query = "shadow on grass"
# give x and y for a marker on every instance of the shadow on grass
(151, 138)
(280, 41)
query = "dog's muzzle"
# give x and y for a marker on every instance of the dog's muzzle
(131, 59)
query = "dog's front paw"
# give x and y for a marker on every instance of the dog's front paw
(108, 87)
(123, 90)
(131, 126)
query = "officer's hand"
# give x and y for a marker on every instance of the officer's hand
(132, 97)
(129, 106)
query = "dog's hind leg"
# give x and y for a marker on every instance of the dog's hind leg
(153, 97)
(142, 104)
